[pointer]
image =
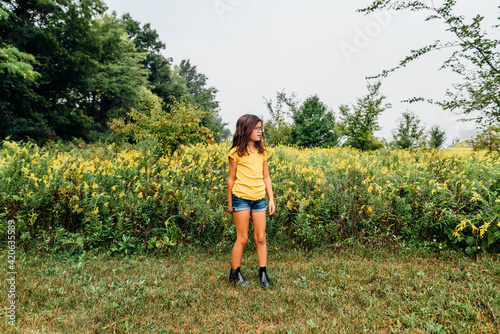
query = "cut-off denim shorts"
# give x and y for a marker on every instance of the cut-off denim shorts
(241, 204)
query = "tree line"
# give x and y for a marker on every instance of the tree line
(475, 57)
(68, 69)
(313, 124)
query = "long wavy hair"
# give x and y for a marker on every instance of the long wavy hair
(244, 127)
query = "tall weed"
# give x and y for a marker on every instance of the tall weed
(128, 199)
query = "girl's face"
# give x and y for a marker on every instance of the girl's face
(256, 134)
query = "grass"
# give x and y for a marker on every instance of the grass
(345, 290)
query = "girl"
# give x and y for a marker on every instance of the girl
(247, 185)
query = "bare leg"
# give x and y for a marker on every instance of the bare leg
(241, 221)
(259, 233)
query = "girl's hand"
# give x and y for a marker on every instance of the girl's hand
(230, 208)
(272, 207)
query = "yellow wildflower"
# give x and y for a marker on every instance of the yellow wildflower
(474, 228)
(462, 224)
(483, 229)
(476, 197)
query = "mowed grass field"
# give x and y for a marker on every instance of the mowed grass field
(349, 289)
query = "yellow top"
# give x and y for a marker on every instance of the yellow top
(249, 182)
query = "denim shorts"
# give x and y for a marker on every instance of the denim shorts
(241, 204)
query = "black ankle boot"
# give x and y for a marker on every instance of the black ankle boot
(264, 280)
(236, 277)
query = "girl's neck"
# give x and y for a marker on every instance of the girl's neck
(251, 146)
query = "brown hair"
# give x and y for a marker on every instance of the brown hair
(244, 127)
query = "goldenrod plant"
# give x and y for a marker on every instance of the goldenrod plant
(110, 197)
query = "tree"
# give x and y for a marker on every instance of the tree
(409, 133)
(359, 124)
(314, 125)
(475, 58)
(35, 110)
(204, 97)
(114, 90)
(181, 125)
(89, 70)
(175, 83)
(279, 128)
(489, 139)
(166, 82)
(196, 84)
(437, 137)
(17, 78)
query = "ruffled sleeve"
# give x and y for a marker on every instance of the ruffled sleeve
(233, 153)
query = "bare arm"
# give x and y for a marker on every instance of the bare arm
(269, 188)
(230, 183)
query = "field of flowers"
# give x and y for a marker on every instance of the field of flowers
(126, 199)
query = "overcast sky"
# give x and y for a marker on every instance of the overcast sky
(252, 49)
